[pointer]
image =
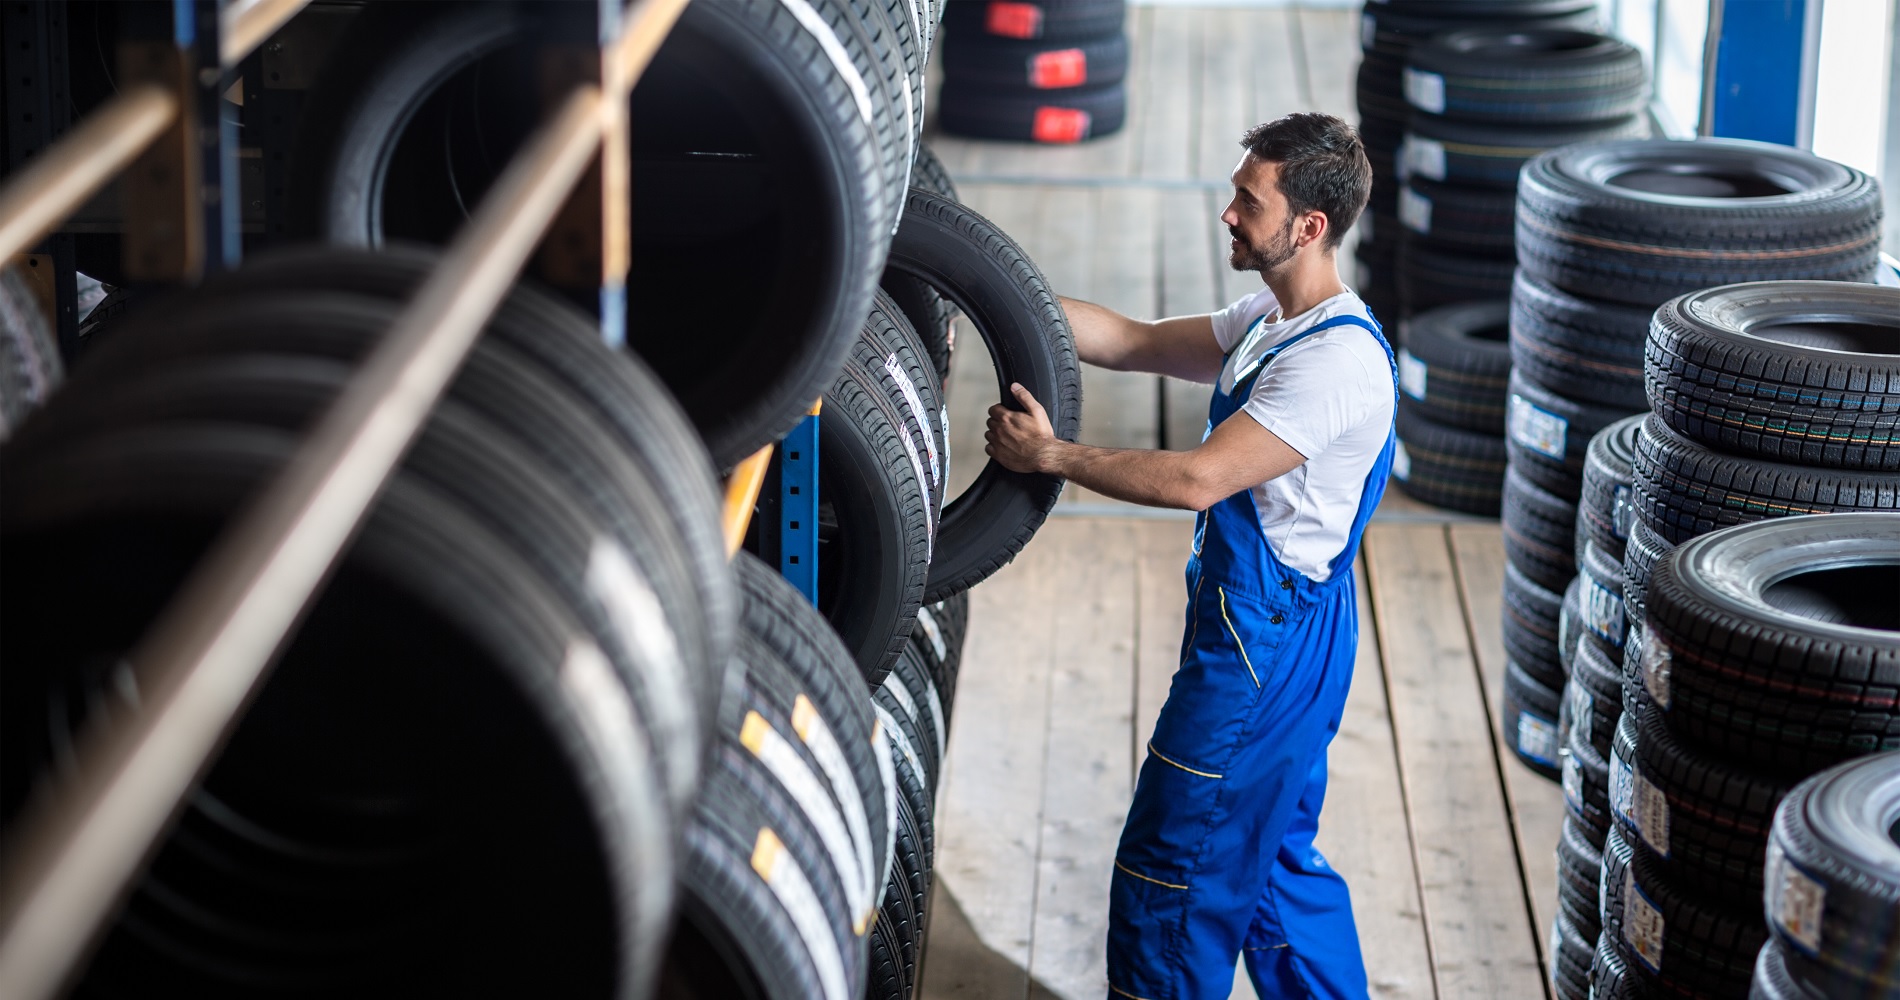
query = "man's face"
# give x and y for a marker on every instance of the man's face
(1257, 219)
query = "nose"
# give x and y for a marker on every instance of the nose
(1229, 217)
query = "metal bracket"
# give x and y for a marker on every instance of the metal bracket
(798, 506)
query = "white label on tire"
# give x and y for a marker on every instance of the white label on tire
(900, 741)
(933, 633)
(1368, 31)
(1622, 793)
(1425, 91)
(908, 390)
(1651, 808)
(1582, 710)
(1642, 923)
(902, 694)
(782, 874)
(1603, 611)
(1622, 511)
(827, 820)
(1656, 671)
(1412, 374)
(1415, 210)
(815, 25)
(1564, 628)
(1537, 739)
(923, 484)
(1573, 781)
(935, 704)
(1795, 901)
(1536, 428)
(642, 629)
(1401, 462)
(1424, 157)
(881, 747)
(824, 748)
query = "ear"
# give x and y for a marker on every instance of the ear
(1314, 226)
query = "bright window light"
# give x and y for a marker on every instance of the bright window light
(1852, 82)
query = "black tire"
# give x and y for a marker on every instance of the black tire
(1447, 466)
(1538, 528)
(755, 919)
(1684, 489)
(906, 894)
(1467, 220)
(1519, 74)
(1833, 881)
(1048, 20)
(1431, 276)
(30, 366)
(1548, 435)
(1803, 372)
(369, 172)
(1594, 696)
(929, 314)
(987, 276)
(1704, 818)
(1456, 363)
(910, 689)
(1529, 722)
(1645, 549)
(1579, 871)
(889, 978)
(1601, 596)
(1532, 622)
(874, 502)
(1802, 613)
(1610, 978)
(1608, 504)
(1679, 943)
(1037, 65)
(836, 722)
(464, 652)
(939, 640)
(1586, 781)
(1393, 26)
(1577, 347)
(1773, 980)
(1642, 221)
(1571, 949)
(1057, 117)
(1480, 154)
(540, 370)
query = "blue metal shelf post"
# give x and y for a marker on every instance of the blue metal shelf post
(798, 506)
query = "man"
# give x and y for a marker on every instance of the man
(1217, 859)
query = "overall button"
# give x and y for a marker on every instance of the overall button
(1277, 619)
(1286, 584)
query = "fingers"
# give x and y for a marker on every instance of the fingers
(1024, 397)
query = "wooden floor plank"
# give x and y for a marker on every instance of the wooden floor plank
(1536, 803)
(1189, 255)
(1329, 63)
(1482, 940)
(1226, 106)
(1172, 93)
(1087, 782)
(1162, 547)
(989, 829)
(1276, 61)
(1363, 830)
(1120, 409)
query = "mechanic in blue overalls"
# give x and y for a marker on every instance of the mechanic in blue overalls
(1217, 861)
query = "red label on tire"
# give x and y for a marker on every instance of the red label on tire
(1013, 20)
(1061, 68)
(1060, 125)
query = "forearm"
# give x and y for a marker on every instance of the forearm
(1152, 478)
(1103, 337)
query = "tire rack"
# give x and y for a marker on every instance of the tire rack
(76, 850)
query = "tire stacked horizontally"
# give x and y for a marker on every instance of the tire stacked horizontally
(1605, 233)
(1482, 102)
(1046, 71)
(1388, 31)
(1453, 374)
(1753, 655)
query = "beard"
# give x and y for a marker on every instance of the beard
(1252, 257)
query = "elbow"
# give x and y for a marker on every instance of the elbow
(1198, 492)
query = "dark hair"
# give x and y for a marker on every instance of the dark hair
(1323, 167)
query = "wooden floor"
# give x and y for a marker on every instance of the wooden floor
(1447, 842)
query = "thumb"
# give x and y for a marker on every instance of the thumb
(1023, 396)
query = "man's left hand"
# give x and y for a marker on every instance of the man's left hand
(1021, 440)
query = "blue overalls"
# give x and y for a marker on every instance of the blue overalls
(1217, 857)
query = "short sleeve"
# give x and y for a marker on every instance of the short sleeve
(1312, 396)
(1231, 323)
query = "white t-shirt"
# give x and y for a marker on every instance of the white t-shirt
(1330, 398)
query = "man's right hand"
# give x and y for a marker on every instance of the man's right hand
(1183, 346)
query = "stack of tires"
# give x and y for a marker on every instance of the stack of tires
(1388, 31)
(1482, 102)
(1606, 233)
(1833, 886)
(1047, 71)
(1453, 380)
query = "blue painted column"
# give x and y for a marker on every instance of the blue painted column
(798, 506)
(1760, 84)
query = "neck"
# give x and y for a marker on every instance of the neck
(1304, 282)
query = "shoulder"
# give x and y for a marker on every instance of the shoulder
(1232, 321)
